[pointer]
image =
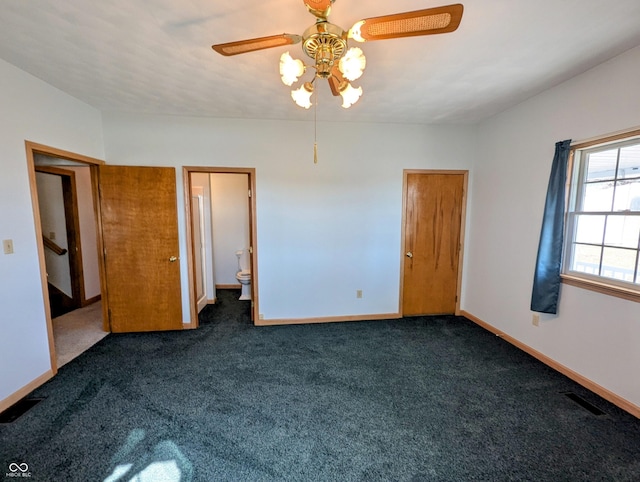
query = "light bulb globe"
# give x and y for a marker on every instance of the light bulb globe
(290, 69)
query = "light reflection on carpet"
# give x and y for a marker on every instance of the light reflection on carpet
(165, 463)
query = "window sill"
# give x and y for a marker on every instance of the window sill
(600, 287)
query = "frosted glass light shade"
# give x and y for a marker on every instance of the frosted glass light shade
(352, 64)
(290, 69)
(302, 96)
(350, 95)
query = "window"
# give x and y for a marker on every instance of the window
(603, 219)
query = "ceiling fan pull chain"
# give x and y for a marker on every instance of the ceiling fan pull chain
(315, 132)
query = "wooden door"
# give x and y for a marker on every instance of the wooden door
(432, 241)
(140, 242)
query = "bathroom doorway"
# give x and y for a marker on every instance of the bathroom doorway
(221, 234)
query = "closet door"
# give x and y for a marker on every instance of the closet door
(432, 241)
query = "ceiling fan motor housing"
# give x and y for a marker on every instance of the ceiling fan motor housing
(325, 43)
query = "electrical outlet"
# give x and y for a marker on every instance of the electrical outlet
(52, 235)
(7, 245)
(261, 316)
(359, 294)
(535, 320)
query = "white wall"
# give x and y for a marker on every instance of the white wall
(230, 224)
(34, 111)
(595, 335)
(324, 231)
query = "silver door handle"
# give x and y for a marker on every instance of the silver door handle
(173, 259)
(409, 254)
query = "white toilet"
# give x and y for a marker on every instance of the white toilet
(244, 278)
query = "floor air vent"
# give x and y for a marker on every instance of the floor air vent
(18, 409)
(584, 404)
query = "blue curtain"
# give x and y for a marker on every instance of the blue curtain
(546, 281)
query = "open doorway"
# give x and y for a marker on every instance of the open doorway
(60, 211)
(64, 193)
(221, 232)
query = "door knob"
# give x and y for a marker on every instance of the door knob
(173, 259)
(409, 254)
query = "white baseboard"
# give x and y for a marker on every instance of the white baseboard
(327, 319)
(26, 390)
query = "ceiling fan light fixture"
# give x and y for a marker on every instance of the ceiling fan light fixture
(325, 57)
(350, 95)
(352, 64)
(290, 69)
(302, 96)
(326, 44)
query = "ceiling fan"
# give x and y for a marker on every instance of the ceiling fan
(327, 45)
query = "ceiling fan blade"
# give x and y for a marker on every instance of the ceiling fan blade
(319, 8)
(250, 45)
(409, 24)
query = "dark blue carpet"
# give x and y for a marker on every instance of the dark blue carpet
(418, 399)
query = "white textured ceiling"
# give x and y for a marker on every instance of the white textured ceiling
(155, 56)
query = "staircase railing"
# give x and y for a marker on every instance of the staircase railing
(53, 246)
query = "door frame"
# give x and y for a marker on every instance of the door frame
(253, 239)
(199, 198)
(463, 216)
(33, 148)
(72, 227)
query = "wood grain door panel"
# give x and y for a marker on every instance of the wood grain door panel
(433, 210)
(140, 241)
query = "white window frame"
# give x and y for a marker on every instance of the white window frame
(576, 183)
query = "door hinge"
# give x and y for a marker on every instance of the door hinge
(249, 192)
(250, 249)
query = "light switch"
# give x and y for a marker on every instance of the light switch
(7, 244)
